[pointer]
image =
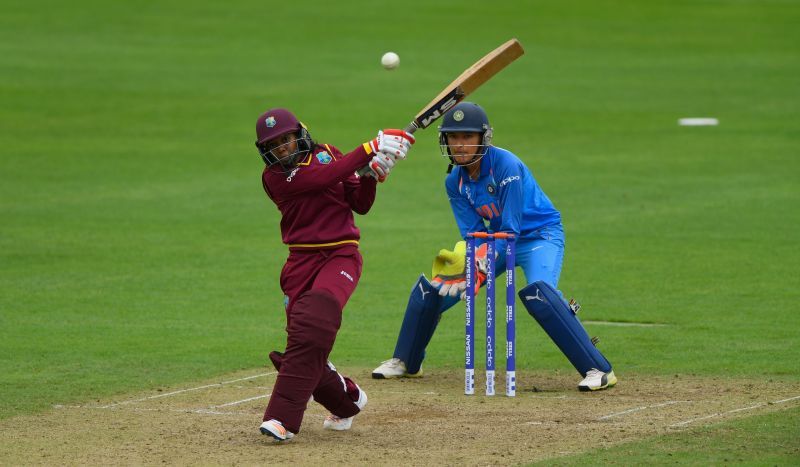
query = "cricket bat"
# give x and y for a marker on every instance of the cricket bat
(471, 79)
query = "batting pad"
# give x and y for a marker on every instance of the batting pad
(422, 315)
(554, 315)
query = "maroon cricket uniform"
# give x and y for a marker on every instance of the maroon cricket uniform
(316, 200)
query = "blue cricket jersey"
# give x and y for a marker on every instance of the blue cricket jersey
(505, 194)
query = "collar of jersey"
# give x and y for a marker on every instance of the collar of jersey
(487, 161)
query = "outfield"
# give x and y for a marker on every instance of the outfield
(139, 253)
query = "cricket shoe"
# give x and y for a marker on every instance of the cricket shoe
(394, 368)
(332, 422)
(275, 429)
(596, 380)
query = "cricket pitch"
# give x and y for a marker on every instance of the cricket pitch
(425, 421)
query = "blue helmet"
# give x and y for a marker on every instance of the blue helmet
(466, 117)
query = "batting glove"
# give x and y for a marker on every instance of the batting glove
(380, 165)
(394, 143)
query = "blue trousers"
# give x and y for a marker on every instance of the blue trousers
(540, 256)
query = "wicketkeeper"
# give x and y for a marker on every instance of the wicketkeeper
(491, 189)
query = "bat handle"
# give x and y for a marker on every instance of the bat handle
(411, 128)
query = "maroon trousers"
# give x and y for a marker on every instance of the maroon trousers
(318, 284)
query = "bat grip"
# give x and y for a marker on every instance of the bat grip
(411, 128)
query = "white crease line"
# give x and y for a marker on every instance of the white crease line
(142, 409)
(637, 409)
(239, 402)
(786, 400)
(686, 422)
(624, 412)
(746, 408)
(741, 409)
(157, 396)
(197, 411)
(214, 412)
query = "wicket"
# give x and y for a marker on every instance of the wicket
(469, 378)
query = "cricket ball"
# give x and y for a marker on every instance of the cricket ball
(390, 60)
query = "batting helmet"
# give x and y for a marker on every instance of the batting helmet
(275, 123)
(466, 117)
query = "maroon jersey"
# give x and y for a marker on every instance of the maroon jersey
(317, 198)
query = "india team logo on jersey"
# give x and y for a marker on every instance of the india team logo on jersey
(270, 121)
(323, 157)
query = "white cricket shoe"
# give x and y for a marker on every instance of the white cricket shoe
(332, 422)
(394, 368)
(275, 429)
(596, 380)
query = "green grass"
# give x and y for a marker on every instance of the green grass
(769, 439)
(137, 248)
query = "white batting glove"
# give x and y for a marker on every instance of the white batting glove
(380, 165)
(394, 143)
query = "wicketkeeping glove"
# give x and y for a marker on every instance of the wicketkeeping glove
(449, 270)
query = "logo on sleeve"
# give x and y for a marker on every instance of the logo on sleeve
(324, 158)
(508, 180)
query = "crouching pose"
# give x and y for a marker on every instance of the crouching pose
(490, 185)
(315, 188)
